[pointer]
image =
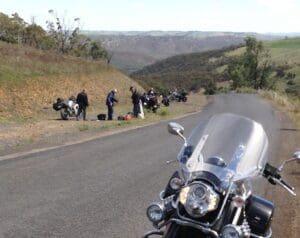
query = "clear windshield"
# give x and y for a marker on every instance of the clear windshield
(228, 145)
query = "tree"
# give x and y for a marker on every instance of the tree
(36, 36)
(253, 68)
(11, 28)
(97, 52)
(63, 34)
(210, 88)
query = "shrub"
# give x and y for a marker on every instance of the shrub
(210, 88)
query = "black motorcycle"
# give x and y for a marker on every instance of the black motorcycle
(179, 97)
(150, 102)
(211, 195)
(166, 100)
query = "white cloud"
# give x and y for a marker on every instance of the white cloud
(278, 4)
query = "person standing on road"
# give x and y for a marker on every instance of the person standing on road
(83, 103)
(110, 100)
(136, 97)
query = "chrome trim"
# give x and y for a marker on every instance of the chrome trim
(205, 230)
(269, 235)
(223, 204)
(237, 216)
(161, 195)
(190, 220)
(155, 232)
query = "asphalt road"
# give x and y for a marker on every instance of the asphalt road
(101, 188)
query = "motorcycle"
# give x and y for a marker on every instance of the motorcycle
(166, 100)
(211, 195)
(67, 108)
(175, 96)
(150, 103)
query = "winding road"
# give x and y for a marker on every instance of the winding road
(101, 188)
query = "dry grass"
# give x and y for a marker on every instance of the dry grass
(51, 130)
(285, 103)
(31, 80)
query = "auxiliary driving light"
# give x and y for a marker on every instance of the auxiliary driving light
(176, 183)
(155, 212)
(231, 231)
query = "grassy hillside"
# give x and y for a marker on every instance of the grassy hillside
(192, 71)
(143, 49)
(285, 57)
(31, 80)
(189, 71)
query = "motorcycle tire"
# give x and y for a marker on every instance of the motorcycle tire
(184, 99)
(167, 104)
(64, 114)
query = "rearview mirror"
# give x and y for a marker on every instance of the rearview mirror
(295, 157)
(176, 129)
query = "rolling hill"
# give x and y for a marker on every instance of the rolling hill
(187, 71)
(31, 80)
(191, 71)
(134, 50)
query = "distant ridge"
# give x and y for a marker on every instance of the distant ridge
(133, 50)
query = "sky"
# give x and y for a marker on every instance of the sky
(262, 16)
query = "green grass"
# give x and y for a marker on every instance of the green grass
(289, 43)
(164, 112)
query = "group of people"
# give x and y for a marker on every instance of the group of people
(136, 101)
(83, 103)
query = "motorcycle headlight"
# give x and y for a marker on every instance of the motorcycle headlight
(155, 212)
(199, 199)
(231, 231)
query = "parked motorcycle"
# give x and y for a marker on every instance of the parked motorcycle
(179, 97)
(211, 194)
(67, 108)
(150, 102)
(166, 100)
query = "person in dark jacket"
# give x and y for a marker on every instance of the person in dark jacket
(136, 97)
(83, 102)
(151, 92)
(110, 100)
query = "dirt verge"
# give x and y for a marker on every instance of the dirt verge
(286, 222)
(18, 137)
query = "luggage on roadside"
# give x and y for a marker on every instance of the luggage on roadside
(126, 117)
(101, 117)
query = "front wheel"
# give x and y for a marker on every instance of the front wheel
(184, 99)
(64, 114)
(166, 103)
